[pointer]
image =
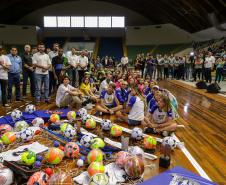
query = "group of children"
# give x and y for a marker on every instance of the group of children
(129, 97)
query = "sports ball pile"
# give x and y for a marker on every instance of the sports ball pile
(20, 125)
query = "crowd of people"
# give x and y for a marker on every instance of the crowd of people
(132, 94)
(192, 67)
(75, 81)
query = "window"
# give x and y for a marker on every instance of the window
(50, 21)
(105, 22)
(77, 22)
(63, 21)
(91, 22)
(84, 21)
(118, 22)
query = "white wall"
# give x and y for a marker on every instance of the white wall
(150, 35)
(10, 34)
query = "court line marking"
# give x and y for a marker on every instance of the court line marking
(192, 160)
(183, 149)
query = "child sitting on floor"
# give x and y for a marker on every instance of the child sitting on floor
(160, 116)
(134, 112)
(109, 103)
(85, 88)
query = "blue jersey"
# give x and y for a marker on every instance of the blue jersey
(147, 90)
(152, 104)
(149, 97)
(109, 99)
(122, 95)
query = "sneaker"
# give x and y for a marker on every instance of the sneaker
(6, 106)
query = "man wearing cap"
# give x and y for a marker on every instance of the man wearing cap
(14, 73)
(82, 65)
(4, 67)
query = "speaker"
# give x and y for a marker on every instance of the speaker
(201, 85)
(213, 88)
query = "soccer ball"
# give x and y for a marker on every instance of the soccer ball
(82, 112)
(169, 141)
(38, 122)
(86, 140)
(106, 124)
(26, 135)
(70, 133)
(30, 108)
(20, 125)
(16, 114)
(137, 133)
(85, 117)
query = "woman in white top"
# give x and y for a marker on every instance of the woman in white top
(134, 112)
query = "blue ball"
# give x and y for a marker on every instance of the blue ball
(56, 144)
(82, 158)
(37, 164)
(39, 158)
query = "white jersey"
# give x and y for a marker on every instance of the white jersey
(137, 108)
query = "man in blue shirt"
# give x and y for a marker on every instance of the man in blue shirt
(14, 73)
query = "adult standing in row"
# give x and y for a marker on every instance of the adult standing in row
(4, 67)
(82, 65)
(73, 73)
(52, 81)
(28, 71)
(14, 74)
(124, 63)
(208, 66)
(42, 64)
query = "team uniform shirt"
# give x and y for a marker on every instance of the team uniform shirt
(147, 90)
(176, 63)
(41, 59)
(61, 92)
(109, 99)
(209, 62)
(152, 104)
(83, 61)
(166, 63)
(149, 97)
(137, 109)
(160, 116)
(122, 95)
(3, 72)
(171, 61)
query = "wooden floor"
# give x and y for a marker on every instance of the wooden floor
(205, 129)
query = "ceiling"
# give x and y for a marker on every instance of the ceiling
(190, 15)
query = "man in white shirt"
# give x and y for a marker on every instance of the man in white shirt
(68, 96)
(4, 67)
(42, 63)
(82, 65)
(73, 61)
(52, 80)
(208, 66)
(105, 83)
(124, 63)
